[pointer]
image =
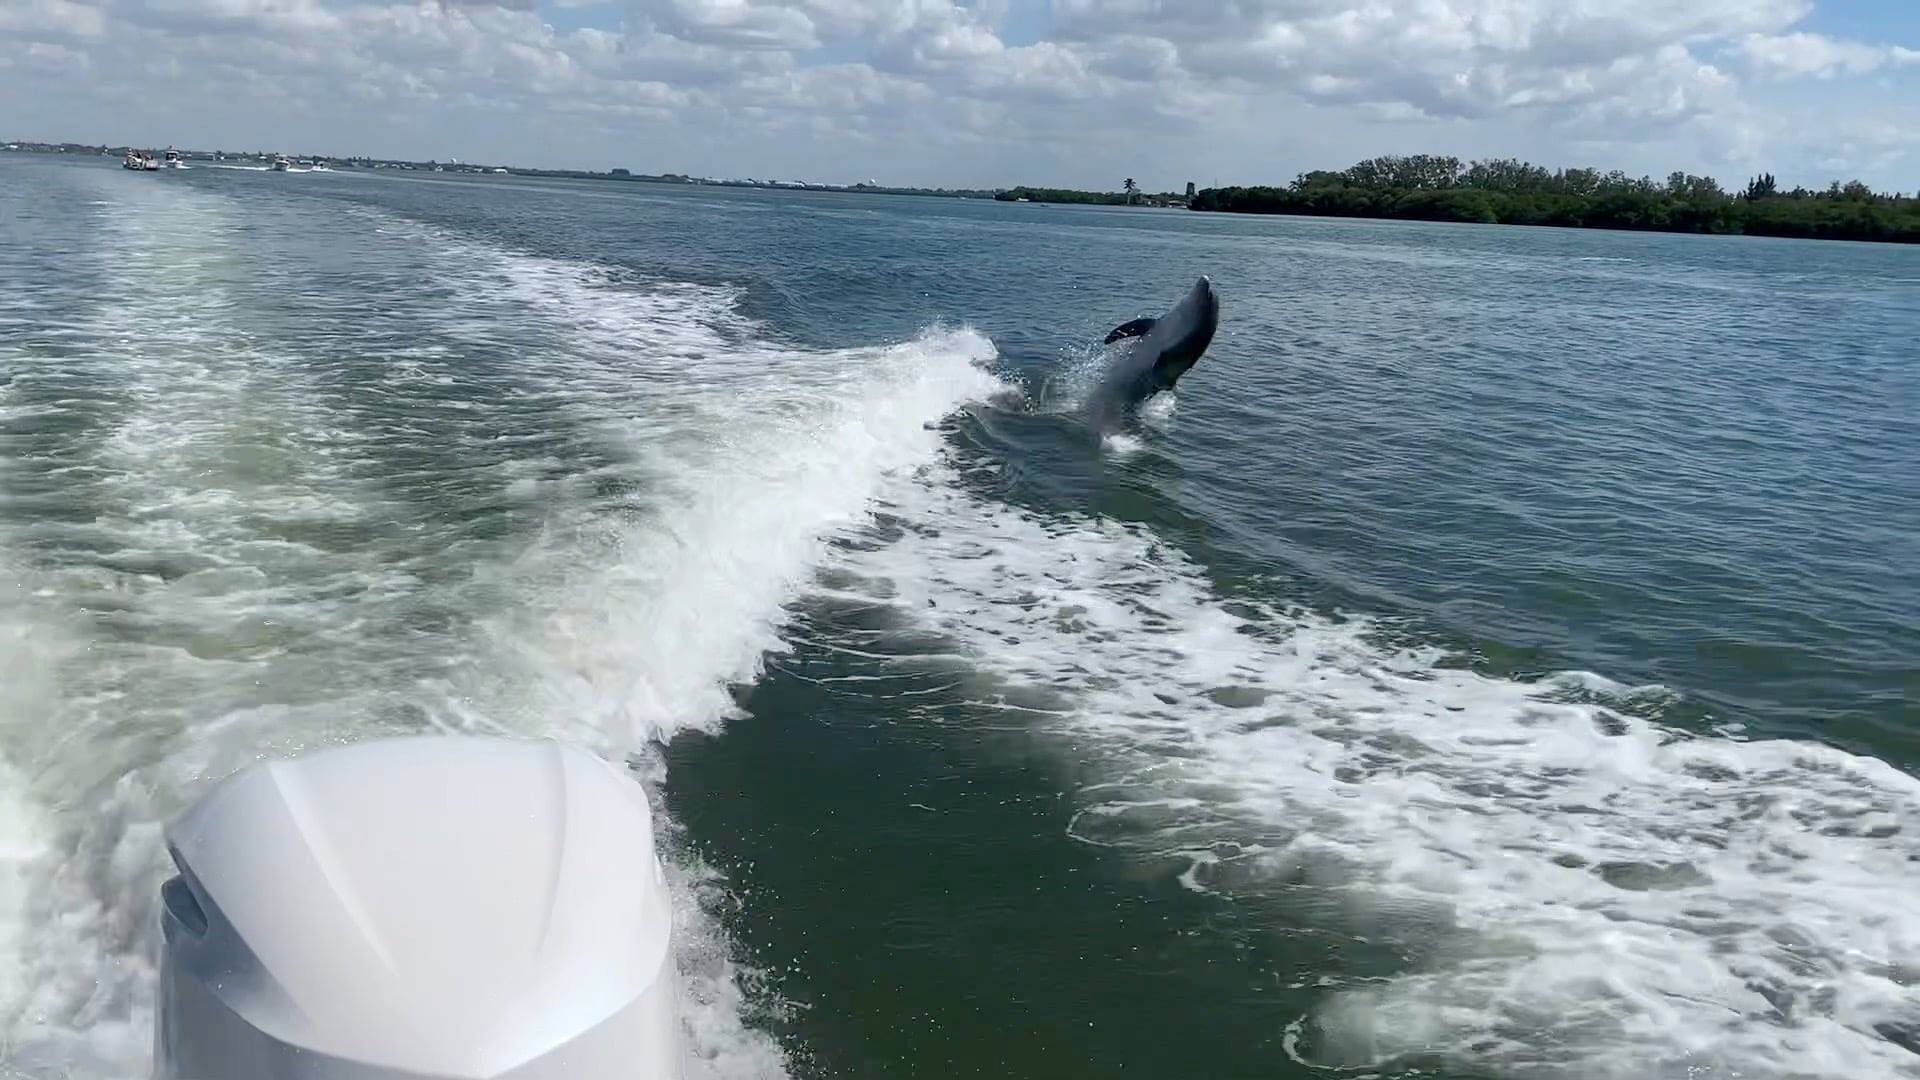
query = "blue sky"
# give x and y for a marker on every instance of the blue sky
(989, 92)
(1894, 21)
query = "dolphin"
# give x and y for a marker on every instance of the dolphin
(1166, 348)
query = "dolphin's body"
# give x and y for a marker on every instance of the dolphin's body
(1162, 351)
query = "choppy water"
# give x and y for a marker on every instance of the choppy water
(1500, 660)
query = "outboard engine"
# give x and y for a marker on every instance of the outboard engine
(425, 908)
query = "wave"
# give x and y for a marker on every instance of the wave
(1574, 888)
(658, 581)
(725, 510)
(188, 612)
(252, 542)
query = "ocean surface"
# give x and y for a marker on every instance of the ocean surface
(1501, 658)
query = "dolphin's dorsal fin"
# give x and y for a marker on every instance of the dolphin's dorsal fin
(1136, 328)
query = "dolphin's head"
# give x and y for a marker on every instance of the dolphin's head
(1187, 330)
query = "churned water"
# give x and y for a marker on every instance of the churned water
(1502, 658)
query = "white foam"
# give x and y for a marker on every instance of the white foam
(667, 605)
(1159, 411)
(636, 613)
(1072, 380)
(639, 613)
(209, 633)
(173, 641)
(1578, 890)
(713, 999)
(1155, 415)
(24, 835)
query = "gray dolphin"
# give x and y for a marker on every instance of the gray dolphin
(1167, 347)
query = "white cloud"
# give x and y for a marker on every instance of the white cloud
(909, 89)
(805, 24)
(1803, 54)
(1466, 58)
(51, 18)
(57, 58)
(736, 23)
(265, 17)
(844, 89)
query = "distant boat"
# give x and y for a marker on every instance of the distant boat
(173, 159)
(281, 164)
(140, 161)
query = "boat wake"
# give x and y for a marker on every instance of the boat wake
(549, 499)
(558, 499)
(1570, 887)
(720, 516)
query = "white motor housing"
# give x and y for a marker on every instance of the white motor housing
(429, 908)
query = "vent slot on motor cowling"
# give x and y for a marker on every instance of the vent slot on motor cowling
(183, 908)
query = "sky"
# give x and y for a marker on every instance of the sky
(988, 93)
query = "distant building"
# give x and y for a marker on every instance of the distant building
(1189, 191)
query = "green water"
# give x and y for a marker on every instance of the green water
(1499, 660)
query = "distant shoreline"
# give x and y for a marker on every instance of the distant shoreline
(1416, 188)
(1508, 192)
(1910, 236)
(359, 163)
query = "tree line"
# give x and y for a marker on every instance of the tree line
(1063, 195)
(1505, 191)
(1130, 194)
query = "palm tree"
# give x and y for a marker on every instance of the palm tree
(1132, 190)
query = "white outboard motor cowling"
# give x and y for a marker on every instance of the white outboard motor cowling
(430, 908)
